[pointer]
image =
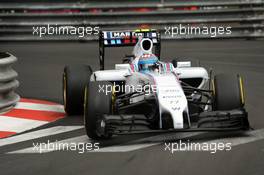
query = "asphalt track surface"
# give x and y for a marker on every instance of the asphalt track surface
(40, 69)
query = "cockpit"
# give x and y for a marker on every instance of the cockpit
(147, 62)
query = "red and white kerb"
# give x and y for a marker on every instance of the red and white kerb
(29, 114)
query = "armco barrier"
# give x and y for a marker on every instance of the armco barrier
(18, 19)
(122, 4)
(8, 82)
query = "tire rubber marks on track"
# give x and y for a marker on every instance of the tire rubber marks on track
(125, 148)
(141, 143)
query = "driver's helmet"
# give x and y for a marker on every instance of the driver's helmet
(146, 61)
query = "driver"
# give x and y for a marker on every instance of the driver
(147, 62)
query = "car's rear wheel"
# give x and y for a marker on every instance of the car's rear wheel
(75, 78)
(228, 92)
(97, 102)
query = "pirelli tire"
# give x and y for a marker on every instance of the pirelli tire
(96, 104)
(75, 78)
(228, 91)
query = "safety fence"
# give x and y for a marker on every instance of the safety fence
(71, 20)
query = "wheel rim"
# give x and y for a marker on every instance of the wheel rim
(113, 98)
(64, 91)
(213, 87)
(85, 104)
(214, 94)
(242, 92)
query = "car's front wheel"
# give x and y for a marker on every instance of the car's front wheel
(228, 92)
(97, 102)
(75, 78)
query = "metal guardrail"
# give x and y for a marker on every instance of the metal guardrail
(246, 18)
(8, 82)
(124, 4)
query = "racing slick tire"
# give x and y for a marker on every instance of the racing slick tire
(75, 78)
(96, 104)
(228, 92)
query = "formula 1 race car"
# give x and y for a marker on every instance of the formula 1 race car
(144, 94)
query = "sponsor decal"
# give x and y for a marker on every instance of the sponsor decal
(124, 34)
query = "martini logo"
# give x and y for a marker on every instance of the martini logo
(120, 34)
(125, 34)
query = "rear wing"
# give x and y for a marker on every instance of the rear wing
(126, 38)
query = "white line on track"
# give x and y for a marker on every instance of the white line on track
(130, 146)
(250, 136)
(125, 148)
(168, 136)
(38, 134)
(135, 145)
(79, 139)
(40, 107)
(14, 124)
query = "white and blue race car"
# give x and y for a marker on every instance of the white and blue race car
(144, 94)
